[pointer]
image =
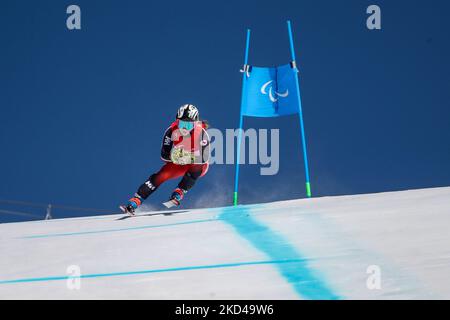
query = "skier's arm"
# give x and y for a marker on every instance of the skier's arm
(167, 144)
(205, 146)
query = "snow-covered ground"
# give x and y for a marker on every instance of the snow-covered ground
(317, 248)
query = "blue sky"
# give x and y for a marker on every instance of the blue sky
(82, 112)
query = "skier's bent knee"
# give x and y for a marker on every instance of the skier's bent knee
(188, 181)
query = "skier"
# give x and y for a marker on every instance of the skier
(185, 151)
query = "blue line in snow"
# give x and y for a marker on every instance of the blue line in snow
(66, 234)
(304, 280)
(127, 273)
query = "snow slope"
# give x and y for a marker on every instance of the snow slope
(302, 249)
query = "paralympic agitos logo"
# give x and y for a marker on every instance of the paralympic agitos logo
(273, 95)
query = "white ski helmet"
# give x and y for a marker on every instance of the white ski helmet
(188, 112)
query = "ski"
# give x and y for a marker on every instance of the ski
(171, 203)
(125, 210)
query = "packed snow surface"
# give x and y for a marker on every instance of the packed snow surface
(392, 245)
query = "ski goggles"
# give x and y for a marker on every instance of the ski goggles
(186, 125)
